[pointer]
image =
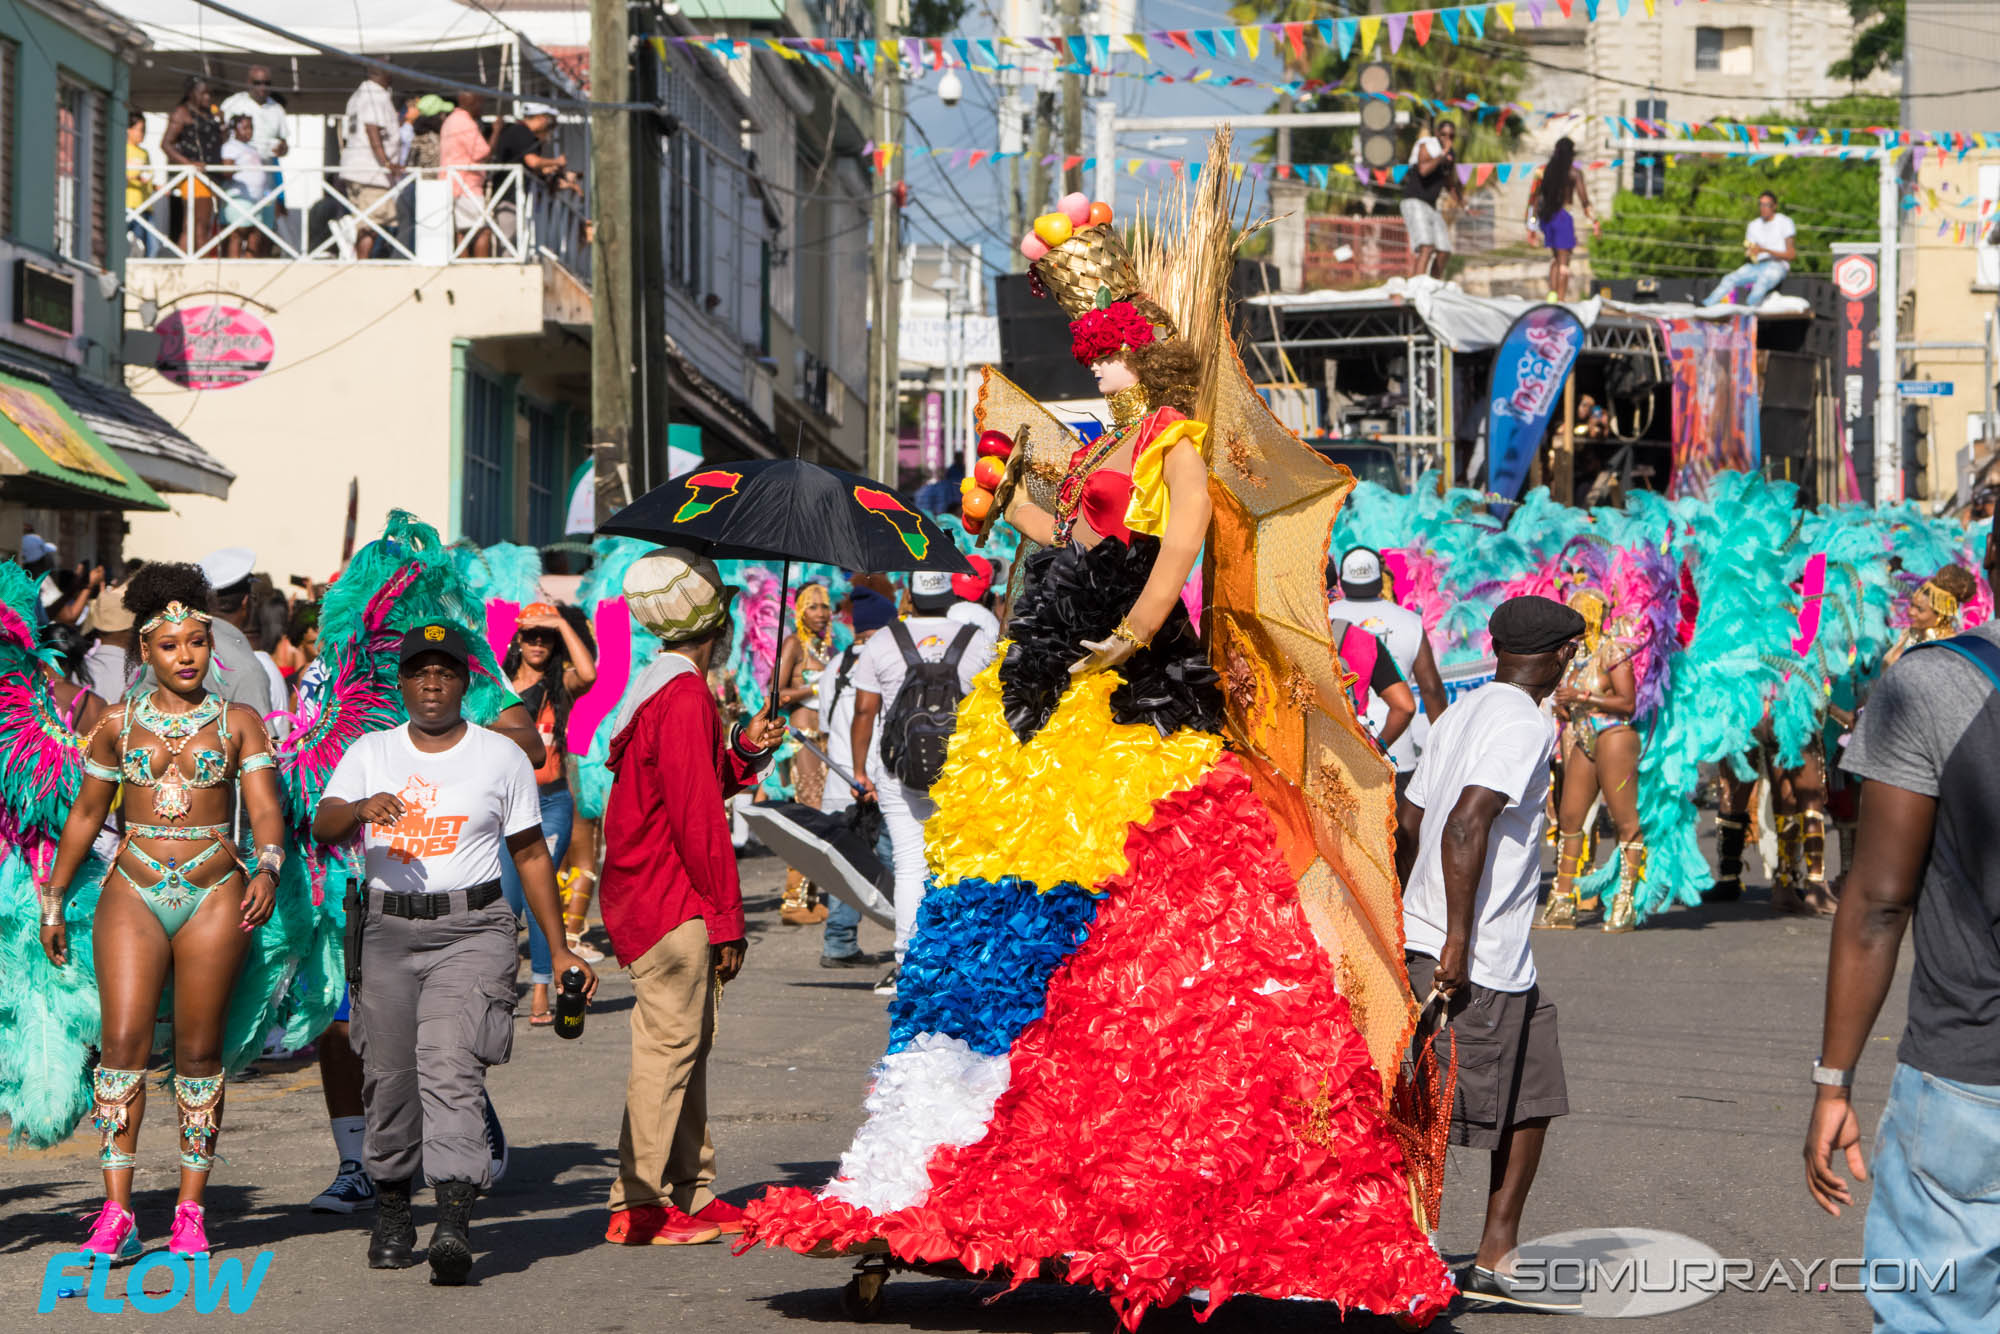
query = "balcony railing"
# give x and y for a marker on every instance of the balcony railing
(454, 215)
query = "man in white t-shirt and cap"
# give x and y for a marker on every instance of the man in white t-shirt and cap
(883, 710)
(1469, 850)
(436, 803)
(1400, 631)
(1770, 244)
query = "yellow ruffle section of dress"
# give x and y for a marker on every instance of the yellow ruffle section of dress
(1060, 807)
(1146, 512)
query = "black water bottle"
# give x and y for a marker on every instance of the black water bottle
(570, 1005)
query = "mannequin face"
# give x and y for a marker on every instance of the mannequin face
(1113, 375)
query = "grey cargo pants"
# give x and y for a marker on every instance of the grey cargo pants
(435, 1007)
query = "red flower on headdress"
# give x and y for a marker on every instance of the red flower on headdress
(1107, 332)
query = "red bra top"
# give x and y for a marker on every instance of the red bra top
(1108, 491)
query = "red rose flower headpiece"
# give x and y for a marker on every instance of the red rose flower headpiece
(1107, 331)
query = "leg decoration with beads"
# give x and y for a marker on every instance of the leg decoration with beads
(1786, 882)
(1586, 858)
(1631, 871)
(114, 1091)
(200, 1101)
(1812, 861)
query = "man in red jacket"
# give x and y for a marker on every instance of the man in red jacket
(671, 901)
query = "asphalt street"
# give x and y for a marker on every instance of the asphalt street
(1687, 1045)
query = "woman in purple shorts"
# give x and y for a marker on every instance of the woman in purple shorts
(1555, 187)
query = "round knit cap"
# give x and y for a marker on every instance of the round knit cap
(677, 594)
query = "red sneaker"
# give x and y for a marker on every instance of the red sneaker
(720, 1213)
(657, 1225)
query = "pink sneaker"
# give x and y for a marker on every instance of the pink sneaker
(115, 1233)
(190, 1235)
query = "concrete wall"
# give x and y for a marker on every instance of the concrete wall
(1951, 45)
(361, 386)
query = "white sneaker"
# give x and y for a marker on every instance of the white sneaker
(583, 951)
(351, 1191)
(887, 986)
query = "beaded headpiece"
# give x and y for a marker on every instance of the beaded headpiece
(174, 613)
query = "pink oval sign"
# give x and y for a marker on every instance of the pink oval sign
(213, 347)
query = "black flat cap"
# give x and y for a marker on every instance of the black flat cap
(1529, 625)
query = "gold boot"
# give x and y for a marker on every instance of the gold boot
(1559, 913)
(1785, 879)
(797, 907)
(1812, 861)
(1624, 914)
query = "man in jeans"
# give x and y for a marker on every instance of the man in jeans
(1469, 850)
(1770, 244)
(870, 611)
(884, 666)
(1924, 749)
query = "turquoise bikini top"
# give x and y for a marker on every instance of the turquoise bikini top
(135, 763)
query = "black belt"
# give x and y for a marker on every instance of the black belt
(424, 907)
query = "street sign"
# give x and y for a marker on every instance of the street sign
(1923, 388)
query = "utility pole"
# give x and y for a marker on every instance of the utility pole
(613, 350)
(885, 362)
(1072, 97)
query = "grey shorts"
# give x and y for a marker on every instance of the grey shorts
(1510, 1069)
(1425, 226)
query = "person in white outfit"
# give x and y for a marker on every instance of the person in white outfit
(930, 636)
(1401, 632)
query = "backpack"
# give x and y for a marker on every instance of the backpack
(922, 717)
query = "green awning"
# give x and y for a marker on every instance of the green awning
(48, 454)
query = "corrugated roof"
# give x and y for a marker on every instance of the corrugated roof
(139, 433)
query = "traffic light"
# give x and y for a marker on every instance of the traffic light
(1376, 146)
(1649, 170)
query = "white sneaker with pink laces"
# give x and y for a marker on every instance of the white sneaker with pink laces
(115, 1233)
(190, 1236)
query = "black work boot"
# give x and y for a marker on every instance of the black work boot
(451, 1246)
(395, 1241)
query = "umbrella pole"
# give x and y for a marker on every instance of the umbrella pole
(778, 649)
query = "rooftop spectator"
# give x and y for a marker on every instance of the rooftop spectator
(368, 169)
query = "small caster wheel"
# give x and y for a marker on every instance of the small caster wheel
(862, 1298)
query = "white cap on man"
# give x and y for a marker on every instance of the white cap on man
(1361, 574)
(931, 591)
(532, 109)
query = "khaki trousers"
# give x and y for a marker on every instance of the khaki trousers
(664, 1153)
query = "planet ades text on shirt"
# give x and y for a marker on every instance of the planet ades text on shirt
(419, 834)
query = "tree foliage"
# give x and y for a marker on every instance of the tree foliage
(940, 18)
(1877, 45)
(1488, 68)
(1696, 226)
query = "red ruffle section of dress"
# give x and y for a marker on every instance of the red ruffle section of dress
(1196, 1109)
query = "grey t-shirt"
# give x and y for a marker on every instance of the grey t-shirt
(1932, 726)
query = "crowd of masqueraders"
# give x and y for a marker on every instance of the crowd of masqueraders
(469, 829)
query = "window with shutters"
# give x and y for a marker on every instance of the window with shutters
(545, 451)
(489, 434)
(79, 173)
(7, 60)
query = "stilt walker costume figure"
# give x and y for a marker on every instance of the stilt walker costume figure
(178, 900)
(1148, 1031)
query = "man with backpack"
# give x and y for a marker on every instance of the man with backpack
(910, 679)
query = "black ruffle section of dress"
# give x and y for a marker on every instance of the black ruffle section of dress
(1076, 594)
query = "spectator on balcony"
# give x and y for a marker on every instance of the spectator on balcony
(142, 177)
(368, 167)
(193, 140)
(245, 207)
(519, 143)
(462, 144)
(1433, 170)
(269, 131)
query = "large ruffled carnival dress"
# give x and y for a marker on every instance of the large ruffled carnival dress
(1118, 1054)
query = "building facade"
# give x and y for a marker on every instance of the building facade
(78, 454)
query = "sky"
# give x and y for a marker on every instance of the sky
(976, 209)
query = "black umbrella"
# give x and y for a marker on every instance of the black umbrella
(788, 509)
